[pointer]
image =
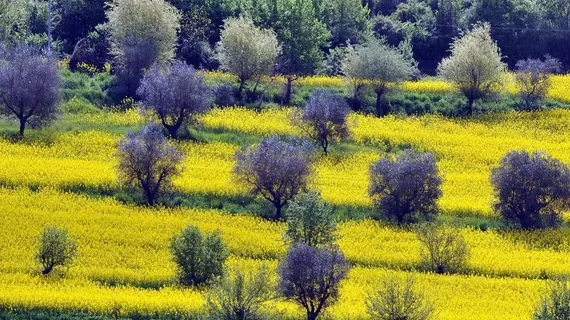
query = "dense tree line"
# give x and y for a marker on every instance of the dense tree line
(310, 30)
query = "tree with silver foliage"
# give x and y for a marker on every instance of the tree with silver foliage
(324, 118)
(176, 94)
(474, 67)
(406, 189)
(311, 277)
(310, 220)
(377, 64)
(275, 169)
(532, 190)
(148, 161)
(247, 51)
(29, 87)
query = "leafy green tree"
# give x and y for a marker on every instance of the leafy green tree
(475, 66)
(310, 220)
(200, 258)
(247, 51)
(12, 16)
(347, 20)
(379, 65)
(302, 36)
(55, 249)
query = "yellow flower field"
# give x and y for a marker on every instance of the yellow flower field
(125, 245)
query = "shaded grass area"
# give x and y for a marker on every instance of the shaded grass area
(62, 315)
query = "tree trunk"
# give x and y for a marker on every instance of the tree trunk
(470, 101)
(278, 211)
(47, 270)
(288, 91)
(240, 89)
(381, 109)
(22, 127)
(311, 315)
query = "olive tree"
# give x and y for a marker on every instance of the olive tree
(379, 65)
(533, 77)
(275, 169)
(246, 50)
(443, 249)
(397, 300)
(175, 94)
(324, 118)
(310, 220)
(29, 87)
(474, 67)
(406, 189)
(240, 296)
(532, 190)
(55, 249)
(311, 277)
(148, 161)
(200, 258)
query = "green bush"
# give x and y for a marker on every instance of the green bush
(310, 220)
(200, 258)
(555, 305)
(55, 249)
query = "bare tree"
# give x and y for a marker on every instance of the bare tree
(475, 66)
(324, 118)
(29, 87)
(443, 249)
(275, 169)
(533, 77)
(175, 94)
(147, 161)
(311, 277)
(396, 300)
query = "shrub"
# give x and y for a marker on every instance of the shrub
(200, 258)
(443, 249)
(406, 190)
(532, 190)
(556, 304)
(396, 301)
(310, 220)
(148, 162)
(240, 296)
(324, 118)
(175, 94)
(55, 249)
(29, 87)
(224, 96)
(311, 277)
(533, 78)
(275, 169)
